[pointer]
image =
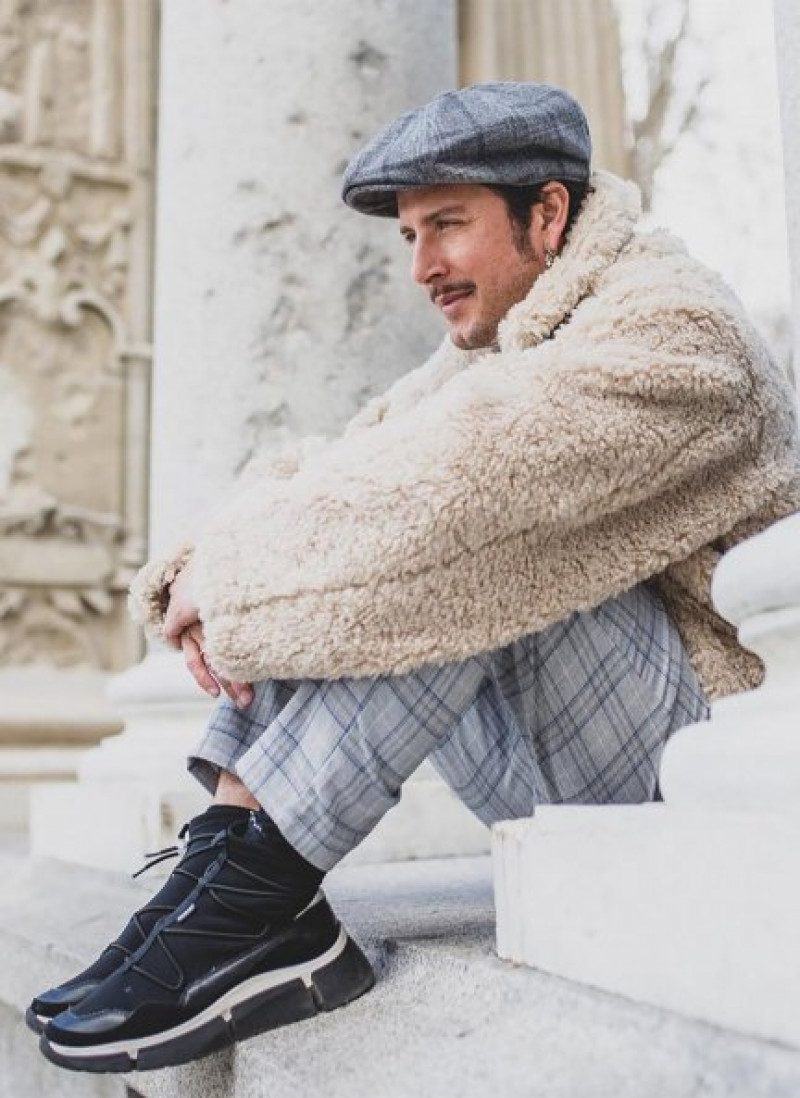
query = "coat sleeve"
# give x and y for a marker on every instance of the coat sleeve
(530, 484)
(149, 591)
(148, 595)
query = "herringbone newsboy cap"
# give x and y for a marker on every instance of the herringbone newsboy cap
(507, 133)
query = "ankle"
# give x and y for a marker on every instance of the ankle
(231, 791)
(297, 878)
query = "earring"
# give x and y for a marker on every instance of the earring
(549, 257)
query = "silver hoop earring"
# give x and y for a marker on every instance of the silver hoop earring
(549, 257)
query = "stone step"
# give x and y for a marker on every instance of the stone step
(447, 1018)
(694, 910)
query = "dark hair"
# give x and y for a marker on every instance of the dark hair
(521, 200)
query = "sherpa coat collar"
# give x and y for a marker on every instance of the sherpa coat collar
(606, 224)
(631, 427)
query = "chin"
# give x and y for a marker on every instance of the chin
(473, 341)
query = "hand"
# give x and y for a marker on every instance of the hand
(182, 612)
(184, 631)
(193, 644)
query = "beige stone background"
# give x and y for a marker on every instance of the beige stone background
(77, 148)
(77, 132)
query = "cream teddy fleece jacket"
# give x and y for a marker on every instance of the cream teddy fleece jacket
(632, 426)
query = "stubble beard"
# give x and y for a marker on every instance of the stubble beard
(480, 333)
(483, 333)
(485, 336)
(500, 298)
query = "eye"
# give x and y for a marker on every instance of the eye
(408, 237)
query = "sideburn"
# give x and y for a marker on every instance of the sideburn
(519, 234)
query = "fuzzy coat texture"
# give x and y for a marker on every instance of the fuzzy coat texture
(631, 426)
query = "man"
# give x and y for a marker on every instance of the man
(503, 565)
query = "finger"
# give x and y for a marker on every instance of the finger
(246, 693)
(174, 640)
(195, 631)
(181, 614)
(241, 693)
(197, 666)
(177, 620)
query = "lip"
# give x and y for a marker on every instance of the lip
(449, 302)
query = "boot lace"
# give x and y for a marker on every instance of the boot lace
(194, 844)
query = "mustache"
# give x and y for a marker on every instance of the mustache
(436, 292)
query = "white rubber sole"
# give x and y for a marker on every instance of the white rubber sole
(222, 1008)
(264, 1002)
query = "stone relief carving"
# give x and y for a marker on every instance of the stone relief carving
(75, 225)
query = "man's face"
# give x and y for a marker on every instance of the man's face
(466, 256)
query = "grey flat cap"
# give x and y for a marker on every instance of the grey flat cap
(514, 134)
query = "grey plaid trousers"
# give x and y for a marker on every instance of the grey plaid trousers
(577, 713)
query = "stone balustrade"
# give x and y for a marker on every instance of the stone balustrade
(692, 904)
(748, 756)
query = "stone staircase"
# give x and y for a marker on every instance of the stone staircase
(446, 1018)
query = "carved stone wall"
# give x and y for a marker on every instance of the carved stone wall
(76, 150)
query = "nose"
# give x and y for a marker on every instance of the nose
(428, 263)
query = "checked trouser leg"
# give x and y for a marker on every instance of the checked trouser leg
(576, 713)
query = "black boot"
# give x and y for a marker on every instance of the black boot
(194, 860)
(254, 946)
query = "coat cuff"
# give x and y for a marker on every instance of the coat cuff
(149, 592)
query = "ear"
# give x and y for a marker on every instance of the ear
(553, 213)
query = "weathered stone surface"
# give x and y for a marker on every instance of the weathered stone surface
(787, 31)
(687, 909)
(76, 142)
(24, 1073)
(278, 310)
(446, 1019)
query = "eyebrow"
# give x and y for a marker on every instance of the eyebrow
(440, 211)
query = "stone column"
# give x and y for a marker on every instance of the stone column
(787, 34)
(572, 43)
(693, 904)
(278, 312)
